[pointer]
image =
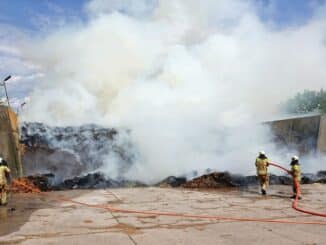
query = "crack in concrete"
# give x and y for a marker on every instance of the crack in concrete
(117, 220)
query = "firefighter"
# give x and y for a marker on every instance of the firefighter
(4, 177)
(296, 175)
(261, 167)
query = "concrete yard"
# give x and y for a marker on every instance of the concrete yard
(33, 219)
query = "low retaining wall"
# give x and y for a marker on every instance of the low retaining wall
(306, 134)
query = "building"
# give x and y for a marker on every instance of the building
(9, 140)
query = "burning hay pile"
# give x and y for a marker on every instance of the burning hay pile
(23, 185)
(213, 180)
(91, 157)
(67, 152)
(96, 181)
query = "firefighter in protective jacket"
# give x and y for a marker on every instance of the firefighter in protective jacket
(4, 177)
(262, 174)
(296, 175)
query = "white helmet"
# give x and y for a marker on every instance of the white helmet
(295, 158)
(262, 153)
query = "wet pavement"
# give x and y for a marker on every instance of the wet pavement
(33, 219)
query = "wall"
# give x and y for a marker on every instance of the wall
(9, 140)
(321, 144)
(306, 133)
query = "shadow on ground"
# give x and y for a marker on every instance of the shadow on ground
(22, 205)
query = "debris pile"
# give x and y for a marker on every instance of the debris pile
(67, 152)
(23, 185)
(321, 177)
(95, 181)
(90, 181)
(76, 158)
(321, 174)
(213, 180)
(98, 180)
(172, 181)
(225, 179)
(42, 182)
(280, 180)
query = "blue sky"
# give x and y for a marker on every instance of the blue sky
(27, 14)
(287, 12)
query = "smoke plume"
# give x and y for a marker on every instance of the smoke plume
(192, 80)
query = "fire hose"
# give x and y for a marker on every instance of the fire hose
(297, 188)
(184, 215)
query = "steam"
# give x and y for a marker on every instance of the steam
(190, 79)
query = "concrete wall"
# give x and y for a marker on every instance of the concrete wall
(9, 140)
(305, 134)
(321, 144)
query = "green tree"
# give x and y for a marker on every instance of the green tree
(307, 101)
(322, 105)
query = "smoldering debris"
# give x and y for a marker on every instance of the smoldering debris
(44, 182)
(321, 174)
(172, 181)
(68, 152)
(99, 181)
(321, 177)
(216, 180)
(92, 157)
(96, 181)
(226, 180)
(213, 180)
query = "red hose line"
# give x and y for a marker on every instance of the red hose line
(280, 167)
(295, 201)
(211, 217)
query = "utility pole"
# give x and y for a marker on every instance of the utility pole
(4, 85)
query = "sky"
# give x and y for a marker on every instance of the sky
(24, 19)
(285, 13)
(33, 14)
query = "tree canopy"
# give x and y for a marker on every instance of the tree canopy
(306, 101)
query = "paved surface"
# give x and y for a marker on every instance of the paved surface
(38, 220)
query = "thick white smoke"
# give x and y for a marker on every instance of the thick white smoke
(191, 79)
